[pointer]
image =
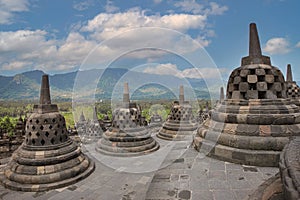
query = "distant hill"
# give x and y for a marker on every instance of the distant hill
(146, 86)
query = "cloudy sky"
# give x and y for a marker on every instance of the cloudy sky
(57, 36)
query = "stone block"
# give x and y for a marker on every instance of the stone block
(269, 78)
(243, 87)
(270, 95)
(237, 80)
(244, 72)
(277, 87)
(252, 94)
(236, 95)
(260, 72)
(230, 87)
(261, 86)
(252, 78)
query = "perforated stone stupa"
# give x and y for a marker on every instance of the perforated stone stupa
(48, 158)
(255, 121)
(126, 137)
(292, 89)
(181, 123)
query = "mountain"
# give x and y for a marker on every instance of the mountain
(104, 84)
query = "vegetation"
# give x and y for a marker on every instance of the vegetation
(11, 110)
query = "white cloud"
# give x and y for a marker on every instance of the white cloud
(9, 7)
(20, 49)
(110, 7)
(216, 9)
(82, 5)
(171, 69)
(277, 46)
(298, 45)
(15, 65)
(163, 69)
(196, 8)
(105, 25)
(22, 40)
(190, 6)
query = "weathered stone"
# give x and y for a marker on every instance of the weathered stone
(252, 125)
(230, 87)
(277, 86)
(243, 87)
(48, 158)
(244, 72)
(127, 136)
(261, 86)
(260, 72)
(269, 78)
(236, 95)
(237, 80)
(180, 123)
(252, 94)
(252, 78)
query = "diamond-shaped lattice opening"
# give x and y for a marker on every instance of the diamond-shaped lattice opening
(37, 121)
(45, 121)
(43, 142)
(41, 127)
(50, 127)
(47, 134)
(29, 133)
(33, 127)
(52, 141)
(33, 141)
(60, 139)
(64, 125)
(38, 134)
(53, 120)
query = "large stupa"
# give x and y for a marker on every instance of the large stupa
(126, 136)
(181, 122)
(255, 121)
(48, 158)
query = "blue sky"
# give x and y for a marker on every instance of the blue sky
(56, 36)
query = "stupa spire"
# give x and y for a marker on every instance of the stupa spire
(289, 75)
(221, 94)
(254, 44)
(45, 91)
(181, 94)
(255, 56)
(126, 93)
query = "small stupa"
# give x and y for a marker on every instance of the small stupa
(292, 89)
(181, 123)
(48, 158)
(256, 120)
(126, 137)
(20, 128)
(155, 121)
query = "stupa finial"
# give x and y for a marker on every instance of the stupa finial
(289, 75)
(255, 56)
(181, 94)
(45, 91)
(254, 44)
(222, 94)
(126, 93)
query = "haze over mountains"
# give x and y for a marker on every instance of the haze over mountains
(26, 86)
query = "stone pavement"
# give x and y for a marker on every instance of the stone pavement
(175, 171)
